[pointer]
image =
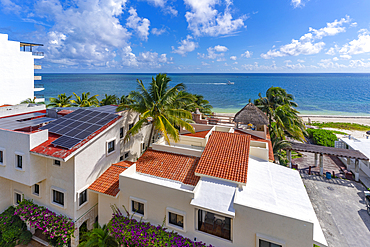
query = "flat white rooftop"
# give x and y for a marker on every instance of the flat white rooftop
(362, 145)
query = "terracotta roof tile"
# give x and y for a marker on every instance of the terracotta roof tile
(225, 156)
(168, 165)
(200, 134)
(108, 182)
(255, 138)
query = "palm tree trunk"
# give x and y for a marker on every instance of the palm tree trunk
(151, 134)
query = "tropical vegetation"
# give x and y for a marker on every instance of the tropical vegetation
(58, 228)
(109, 100)
(13, 230)
(31, 101)
(322, 137)
(98, 237)
(283, 118)
(85, 100)
(343, 126)
(62, 100)
(160, 105)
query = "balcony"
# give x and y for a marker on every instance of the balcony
(38, 87)
(37, 77)
(39, 98)
(27, 47)
(38, 54)
(37, 66)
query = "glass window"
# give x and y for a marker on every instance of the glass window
(19, 161)
(110, 146)
(57, 162)
(130, 126)
(126, 155)
(83, 197)
(263, 243)
(176, 219)
(121, 132)
(120, 158)
(137, 207)
(214, 224)
(36, 189)
(58, 197)
(17, 198)
(1, 156)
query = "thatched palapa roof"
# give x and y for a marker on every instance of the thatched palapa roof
(251, 114)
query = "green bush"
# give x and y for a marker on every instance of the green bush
(322, 137)
(12, 229)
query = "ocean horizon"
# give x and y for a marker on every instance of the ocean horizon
(315, 93)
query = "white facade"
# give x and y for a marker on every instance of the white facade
(69, 175)
(273, 206)
(17, 72)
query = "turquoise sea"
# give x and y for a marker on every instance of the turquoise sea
(321, 94)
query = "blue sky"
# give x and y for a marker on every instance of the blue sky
(198, 36)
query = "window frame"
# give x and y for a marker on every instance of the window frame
(273, 240)
(64, 192)
(16, 160)
(2, 150)
(107, 146)
(55, 163)
(17, 192)
(138, 215)
(33, 190)
(131, 125)
(121, 133)
(178, 212)
(79, 196)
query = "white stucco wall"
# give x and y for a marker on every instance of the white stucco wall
(17, 72)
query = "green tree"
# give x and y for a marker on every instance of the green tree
(202, 104)
(85, 100)
(31, 101)
(61, 101)
(98, 237)
(158, 104)
(109, 100)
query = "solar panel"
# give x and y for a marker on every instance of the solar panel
(73, 132)
(82, 135)
(93, 120)
(93, 128)
(66, 142)
(64, 130)
(83, 126)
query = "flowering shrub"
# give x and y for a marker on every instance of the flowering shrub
(58, 228)
(131, 233)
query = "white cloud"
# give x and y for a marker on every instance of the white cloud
(297, 3)
(205, 64)
(359, 64)
(346, 56)
(163, 5)
(233, 58)
(300, 61)
(157, 31)
(140, 25)
(358, 46)
(10, 6)
(256, 66)
(235, 62)
(332, 50)
(335, 59)
(288, 65)
(306, 45)
(145, 59)
(204, 18)
(186, 45)
(353, 24)
(327, 63)
(212, 53)
(247, 54)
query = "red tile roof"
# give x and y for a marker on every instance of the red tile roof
(108, 182)
(225, 156)
(49, 149)
(168, 165)
(256, 138)
(200, 134)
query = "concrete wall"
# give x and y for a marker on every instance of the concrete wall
(17, 72)
(5, 191)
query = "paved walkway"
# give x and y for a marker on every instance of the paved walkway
(341, 210)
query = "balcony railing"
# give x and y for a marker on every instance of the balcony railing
(37, 77)
(39, 96)
(37, 66)
(39, 85)
(37, 53)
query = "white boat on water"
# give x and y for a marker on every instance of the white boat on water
(230, 83)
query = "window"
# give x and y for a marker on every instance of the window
(17, 198)
(83, 197)
(121, 132)
(214, 224)
(1, 156)
(110, 147)
(176, 219)
(130, 126)
(57, 162)
(58, 197)
(137, 207)
(126, 155)
(36, 189)
(19, 162)
(120, 158)
(263, 243)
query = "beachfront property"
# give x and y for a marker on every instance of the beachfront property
(52, 156)
(17, 71)
(215, 185)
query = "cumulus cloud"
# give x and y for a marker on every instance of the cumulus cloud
(157, 31)
(332, 50)
(346, 56)
(10, 6)
(144, 59)
(186, 45)
(247, 54)
(256, 66)
(140, 25)
(215, 53)
(300, 61)
(288, 65)
(335, 59)
(353, 24)
(359, 64)
(357, 46)
(327, 63)
(205, 20)
(164, 6)
(297, 3)
(306, 44)
(233, 58)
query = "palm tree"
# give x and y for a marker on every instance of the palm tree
(85, 100)
(98, 237)
(61, 101)
(109, 100)
(202, 104)
(158, 104)
(31, 101)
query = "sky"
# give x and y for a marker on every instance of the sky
(193, 36)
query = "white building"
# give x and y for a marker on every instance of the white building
(215, 186)
(53, 158)
(17, 71)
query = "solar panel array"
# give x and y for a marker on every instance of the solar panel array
(23, 121)
(77, 125)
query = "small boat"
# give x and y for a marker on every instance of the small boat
(230, 83)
